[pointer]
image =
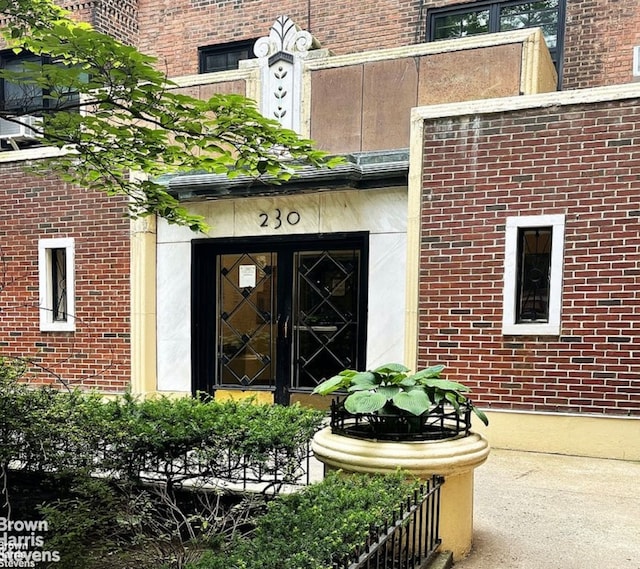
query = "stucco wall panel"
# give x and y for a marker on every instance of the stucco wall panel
(336, 108)
(470, 74)
(389, 91)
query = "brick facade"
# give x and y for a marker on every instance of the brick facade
(599, 34)
(598, 43)
(174, 30)
(581, 161)
(118, 18)
(599, 40)
(97, 354)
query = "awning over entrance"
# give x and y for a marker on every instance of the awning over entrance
(360, 170)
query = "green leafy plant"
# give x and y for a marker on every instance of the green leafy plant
(133, 118)
(316, 527)
(392, 389)
(130, 482)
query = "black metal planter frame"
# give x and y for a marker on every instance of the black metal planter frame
(441, 422)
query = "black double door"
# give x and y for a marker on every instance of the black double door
(278, 314)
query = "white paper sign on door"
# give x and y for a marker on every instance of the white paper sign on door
(247, 276)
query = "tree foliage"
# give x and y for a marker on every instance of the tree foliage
(115, 112)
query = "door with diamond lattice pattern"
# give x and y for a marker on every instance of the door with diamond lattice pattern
(285, 317)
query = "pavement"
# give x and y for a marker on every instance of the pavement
(543, 511)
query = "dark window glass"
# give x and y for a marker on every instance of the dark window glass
(28, 98)
(19, 97)
(59, 284)
(490, 16)
(225, 56)
(532, 15)
(534, 270)
(461, 25)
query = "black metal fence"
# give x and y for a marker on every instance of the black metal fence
(408, 542)
(270, 471)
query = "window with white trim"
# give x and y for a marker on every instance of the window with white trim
(533, 258)
(57, 288)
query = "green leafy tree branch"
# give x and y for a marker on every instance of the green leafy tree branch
(113, 112)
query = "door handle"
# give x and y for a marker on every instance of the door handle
(283, 327)
(286, 328)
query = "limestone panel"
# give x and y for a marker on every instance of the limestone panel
(390, 91)
(218, 215)
(173, 319)
(238, 87)
(387, 300)
(378, 211)
(470, 74)
(188, 91)
(336, 108)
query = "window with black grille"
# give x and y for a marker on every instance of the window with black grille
(534, 269)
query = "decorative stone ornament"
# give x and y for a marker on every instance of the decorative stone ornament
(280, 55)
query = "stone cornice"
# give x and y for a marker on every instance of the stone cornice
(363, 170)
(542, 100)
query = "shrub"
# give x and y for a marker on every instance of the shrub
(105, 524)
(217, 439)
(316, 526)
(45, 430)
(138, 513)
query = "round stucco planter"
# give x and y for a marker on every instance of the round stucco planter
(454, 458)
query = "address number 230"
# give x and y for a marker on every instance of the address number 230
(278, 218)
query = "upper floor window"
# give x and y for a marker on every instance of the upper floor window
(24, 99)
(226, 56)
(15, 97)
(21, 90)
(491, 16)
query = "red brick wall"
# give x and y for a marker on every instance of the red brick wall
(599, 40)
(117, 18)
(579, 161)
(97, 354)
(174, 29)
(599, 34)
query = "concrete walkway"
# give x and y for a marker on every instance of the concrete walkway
(541, 511)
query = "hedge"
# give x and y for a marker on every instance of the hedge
(45, 430)
(316, 526)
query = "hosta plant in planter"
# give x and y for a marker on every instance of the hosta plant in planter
(390, 403)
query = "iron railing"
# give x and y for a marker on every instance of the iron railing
(410, 541)
(271, 471)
